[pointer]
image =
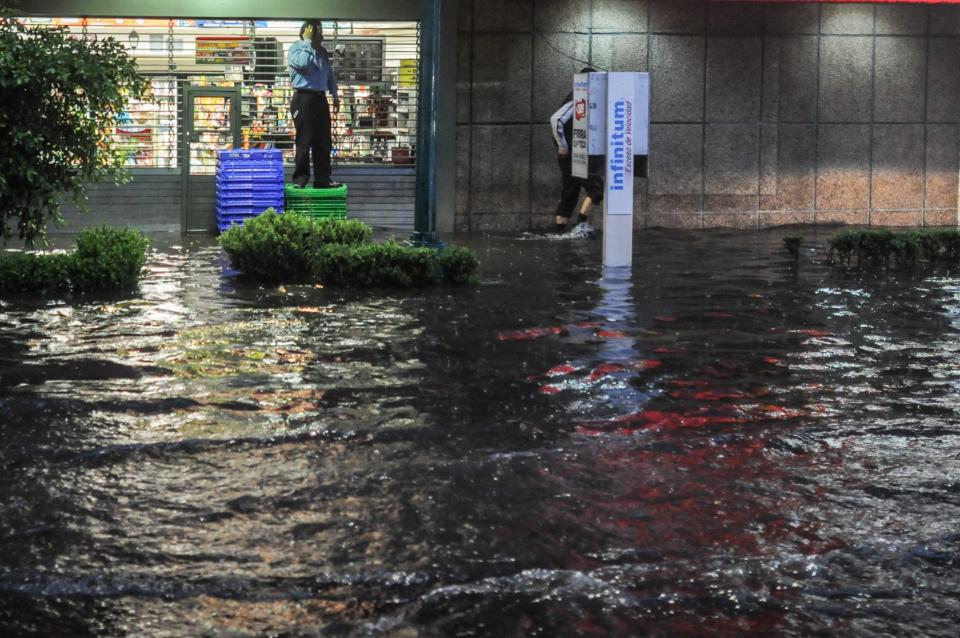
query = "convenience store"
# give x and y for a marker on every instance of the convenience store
(218, 79)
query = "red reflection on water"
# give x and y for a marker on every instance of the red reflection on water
(529, 333)
(561, 370)
(610, 334)
(688, 383)
(548, 389)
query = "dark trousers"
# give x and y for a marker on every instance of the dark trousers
(570, 190)
(311, 117)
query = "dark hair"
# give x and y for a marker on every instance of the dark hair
(315, 24)
(588, 69)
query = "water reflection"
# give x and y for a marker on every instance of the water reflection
(720, 442)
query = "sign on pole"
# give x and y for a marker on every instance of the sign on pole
(618, 200)
(611, 118)
(579, 155)
(589, 120)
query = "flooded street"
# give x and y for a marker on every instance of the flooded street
(724, 442)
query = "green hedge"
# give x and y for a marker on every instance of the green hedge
(280, 247)
(930, 247)
(288, 247)
(32, 273)
(106, 260)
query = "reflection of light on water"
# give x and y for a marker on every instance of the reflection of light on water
(617, 311)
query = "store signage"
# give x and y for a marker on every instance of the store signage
(111, 22)
(621, 97)
(597, 115)
(217, 24)
(611, 119)
(579, 157)
(223, 50)
(408, 73)
(590, 120)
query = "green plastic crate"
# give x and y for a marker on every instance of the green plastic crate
(324, 215)
(317, 203)
(292, 192)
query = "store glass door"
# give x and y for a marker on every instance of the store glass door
(211, 124)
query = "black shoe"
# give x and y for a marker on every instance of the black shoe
(300, 182)
(327, 184)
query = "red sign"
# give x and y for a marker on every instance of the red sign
(580, 110)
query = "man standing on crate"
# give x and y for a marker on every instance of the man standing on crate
(312, 77)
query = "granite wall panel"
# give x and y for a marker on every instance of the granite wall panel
(846, 90)
(900, 79)
(735, 17)
(792, 18)
(500, 169)
(943, 150)
(561, 15)
(843, 166)
(502, 75)
(676, 78)
(731, 160)
(676, 159)
(901, 19)
(554, 77)
(847, 19)
(943, 80)
(621, 52)
(620, 16)
(733, 78)
(677, 16)
(502, 16)
(898, 160)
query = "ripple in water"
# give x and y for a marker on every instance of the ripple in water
(721, 442)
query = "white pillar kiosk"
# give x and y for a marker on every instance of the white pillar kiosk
(612, 119)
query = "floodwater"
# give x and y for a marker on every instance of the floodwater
(724, 442)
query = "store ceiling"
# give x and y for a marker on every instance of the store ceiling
(277, 9)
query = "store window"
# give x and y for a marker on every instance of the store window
(376, 65)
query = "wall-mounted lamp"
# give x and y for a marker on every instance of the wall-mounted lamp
(134, 39)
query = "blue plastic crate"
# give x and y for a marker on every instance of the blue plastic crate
(249, 202)
(231, 212)
(251, 155)
(250, 186)
(248, 171)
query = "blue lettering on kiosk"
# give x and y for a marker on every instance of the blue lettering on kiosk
(618, 146)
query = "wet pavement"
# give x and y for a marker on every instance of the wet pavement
(724, 442)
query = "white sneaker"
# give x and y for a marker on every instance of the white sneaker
(583, 229)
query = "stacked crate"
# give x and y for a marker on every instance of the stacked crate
(318, 203)
(248, 183)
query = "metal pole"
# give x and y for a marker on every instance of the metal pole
(425, 219)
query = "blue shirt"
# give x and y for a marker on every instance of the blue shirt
(311, 69)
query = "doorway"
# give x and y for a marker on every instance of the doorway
(211, 124)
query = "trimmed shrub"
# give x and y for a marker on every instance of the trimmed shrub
(792, 243)
(929, 247)
(106, 260)
(375, 265)
(32, 273)
(278, 247)
(288, 247)
(458, 264)
(343, 231)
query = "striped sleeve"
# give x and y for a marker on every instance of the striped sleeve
(557, 121)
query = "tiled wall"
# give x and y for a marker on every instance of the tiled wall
(762, 114)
